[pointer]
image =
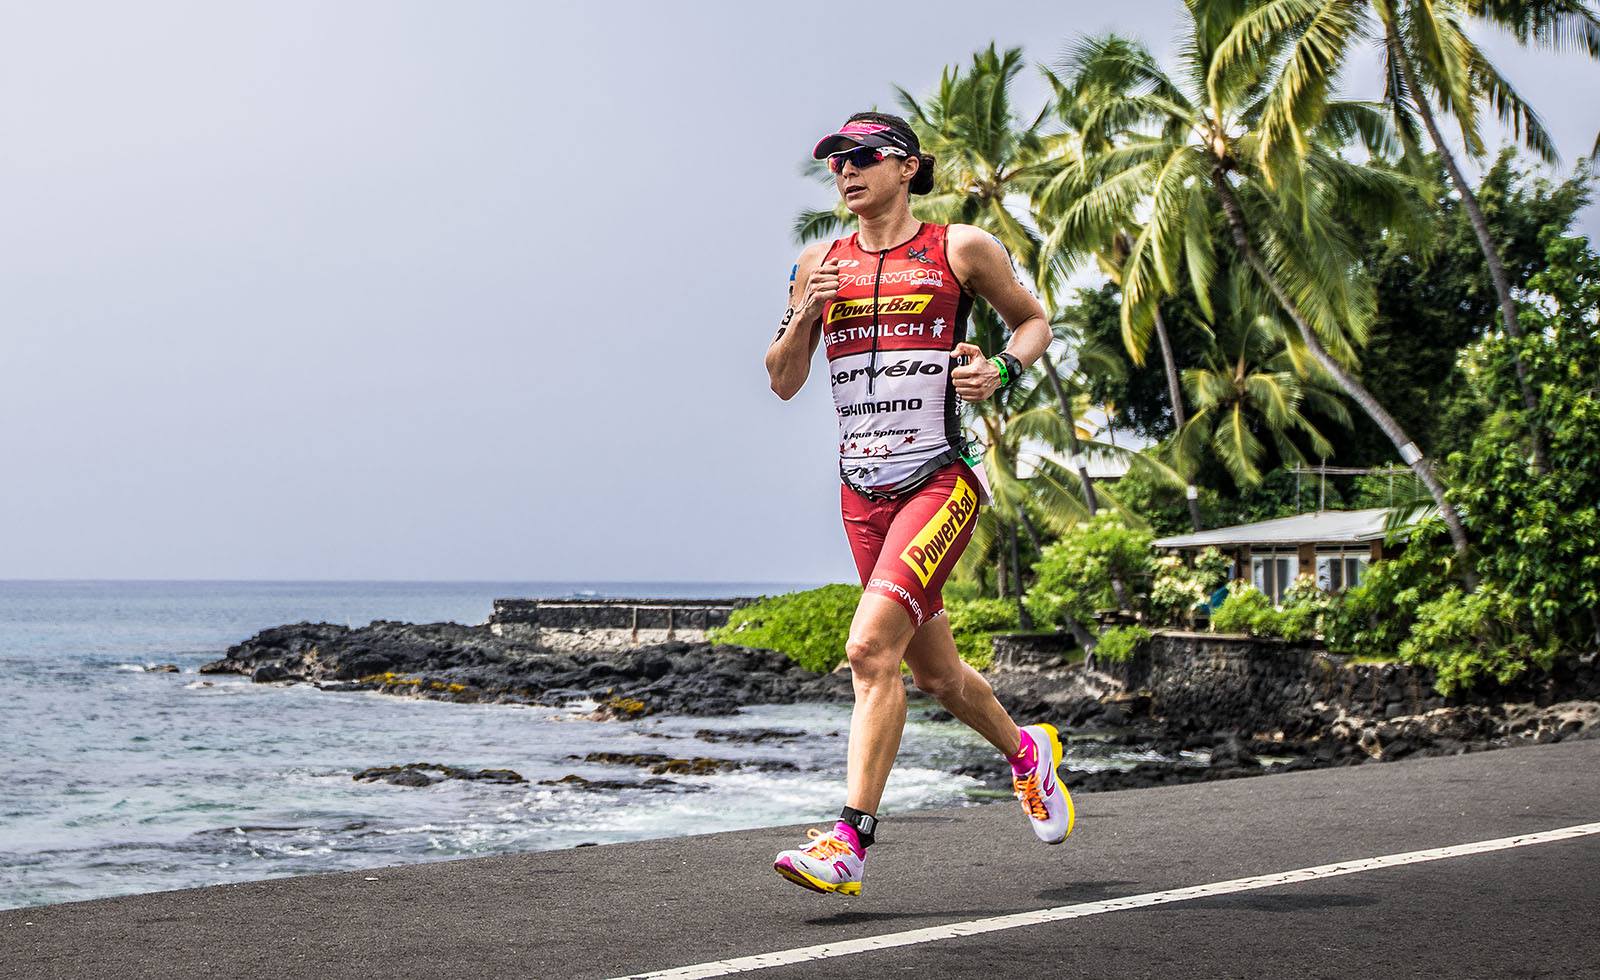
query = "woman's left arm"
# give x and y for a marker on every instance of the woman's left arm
(983, 266)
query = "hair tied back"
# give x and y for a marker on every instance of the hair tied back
(922, 180)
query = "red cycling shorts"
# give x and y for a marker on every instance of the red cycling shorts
(905, 548)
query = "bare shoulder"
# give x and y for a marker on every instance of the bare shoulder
(975, 253)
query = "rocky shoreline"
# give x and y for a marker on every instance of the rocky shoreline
(469, 664)
(1163, 705)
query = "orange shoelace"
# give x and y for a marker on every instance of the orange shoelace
(1027, 790)
(827, 845)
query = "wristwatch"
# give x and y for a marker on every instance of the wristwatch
(1009, 367)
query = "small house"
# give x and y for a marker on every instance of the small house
(1334, 545)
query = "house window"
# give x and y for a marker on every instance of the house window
(1340, 570)
(1273, 572)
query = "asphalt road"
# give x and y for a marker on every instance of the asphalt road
(1527, 911)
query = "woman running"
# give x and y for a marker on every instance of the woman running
(890, 303)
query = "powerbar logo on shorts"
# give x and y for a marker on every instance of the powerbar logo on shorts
(844, 309)
(934, 540)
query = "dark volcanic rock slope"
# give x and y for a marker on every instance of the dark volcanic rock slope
(468, 663)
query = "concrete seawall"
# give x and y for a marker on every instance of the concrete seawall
(1213, 682)
(601, 625)
(1209, 682)
(1258, 684)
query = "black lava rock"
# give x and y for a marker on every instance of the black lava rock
(451, 662)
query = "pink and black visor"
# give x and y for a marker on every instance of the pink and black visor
(863, 133)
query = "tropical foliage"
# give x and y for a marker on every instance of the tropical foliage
(1284, 277)
(811, 627)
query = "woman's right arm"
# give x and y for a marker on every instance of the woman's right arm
(813, 285)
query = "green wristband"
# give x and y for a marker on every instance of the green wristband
(1005, 372)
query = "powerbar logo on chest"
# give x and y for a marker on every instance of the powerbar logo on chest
(844, 309)
(933, 542)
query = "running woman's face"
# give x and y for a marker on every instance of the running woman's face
(867, 188)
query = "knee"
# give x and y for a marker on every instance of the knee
(871, 659)
(938, 686)
(948, 684)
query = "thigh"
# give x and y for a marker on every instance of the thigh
(931, 654)
(925, 539)
(866, 523)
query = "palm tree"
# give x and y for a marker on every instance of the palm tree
(1199, 146)
(1012, 426)
(1109, 246)
(985, 161)
(1429, 58)
(1254, 382)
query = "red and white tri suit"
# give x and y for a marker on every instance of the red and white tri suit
(889, 336)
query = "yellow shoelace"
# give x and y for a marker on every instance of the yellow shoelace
(1027, 790)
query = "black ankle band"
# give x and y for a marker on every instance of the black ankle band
(866, 824)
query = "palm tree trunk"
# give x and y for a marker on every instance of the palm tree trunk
(1491, 254)
(1409, 452)
(1033, 533)
(1023, 619)
(1124, 247)
(1002, 588)
(1090, 499)
(1179, 417)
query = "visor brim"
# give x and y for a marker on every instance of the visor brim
(835, 142)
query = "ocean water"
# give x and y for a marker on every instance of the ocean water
(121, 780)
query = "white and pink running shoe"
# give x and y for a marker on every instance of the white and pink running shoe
(830, 863)
(1044, 799)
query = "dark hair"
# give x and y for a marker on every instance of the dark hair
(922, 180)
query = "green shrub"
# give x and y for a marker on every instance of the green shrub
(974, 622)
(811, 627)
(1537, 536)
(1304, 608)
(1212, 566)
(1371, 620)
(1119, 642)
(1247, 610)
(961, 590)
(1176, 592)
(1467, 638)
(1072, 579)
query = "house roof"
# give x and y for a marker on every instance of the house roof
(1321, 527)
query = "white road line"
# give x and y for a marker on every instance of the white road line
(824, 951)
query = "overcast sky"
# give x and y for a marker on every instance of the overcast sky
(461, 290)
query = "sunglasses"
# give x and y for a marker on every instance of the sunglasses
(862, 157)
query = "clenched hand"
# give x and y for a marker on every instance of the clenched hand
(821, 286)
(977, 379)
